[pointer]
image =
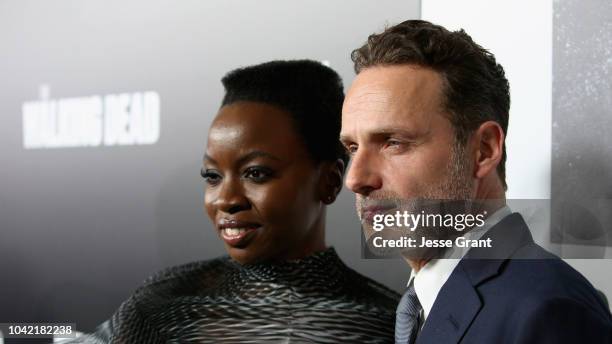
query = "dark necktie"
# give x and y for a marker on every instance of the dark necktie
(407, 317)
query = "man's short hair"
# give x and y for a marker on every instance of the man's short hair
(475, 86)
(311, 93)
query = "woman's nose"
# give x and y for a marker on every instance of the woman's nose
(231, 198)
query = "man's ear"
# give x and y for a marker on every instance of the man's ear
(488, 144)
(330, 183)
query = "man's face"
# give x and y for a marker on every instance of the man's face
(402, 143)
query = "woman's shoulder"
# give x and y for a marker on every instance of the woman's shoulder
(190, 277)
(356, 291)
(136, 315)
(345, 281)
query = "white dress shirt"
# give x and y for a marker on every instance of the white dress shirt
(432, 276)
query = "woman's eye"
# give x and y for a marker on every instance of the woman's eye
(211, 177)
(257, 174)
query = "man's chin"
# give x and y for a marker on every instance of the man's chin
(407, 245)
(422, 253)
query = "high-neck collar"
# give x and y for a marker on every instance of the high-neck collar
(324, 264)
(328, 255)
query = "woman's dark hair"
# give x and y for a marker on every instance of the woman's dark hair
(311, 93)
(475, 87)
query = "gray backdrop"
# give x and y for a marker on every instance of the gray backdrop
(82, 227)
(581, 178)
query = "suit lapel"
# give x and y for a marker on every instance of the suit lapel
(458, 302)
(456, 306)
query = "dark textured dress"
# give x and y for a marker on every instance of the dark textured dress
(317, 299)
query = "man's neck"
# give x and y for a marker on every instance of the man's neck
(490, 206)
(416, 265)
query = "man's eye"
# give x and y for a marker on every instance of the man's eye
(211, 177)
(258, 174)
(352, 149)
(393, 143)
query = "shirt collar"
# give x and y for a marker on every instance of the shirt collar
(431, 277)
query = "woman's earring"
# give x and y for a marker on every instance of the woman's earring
(329, 199)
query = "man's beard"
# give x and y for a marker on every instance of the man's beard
(451, 195)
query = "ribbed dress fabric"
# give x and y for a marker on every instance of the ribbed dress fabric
(317, 299)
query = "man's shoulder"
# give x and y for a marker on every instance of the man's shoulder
(544, 296)
(532, 263)
(534, 277)
(522, 268)
(537, 297)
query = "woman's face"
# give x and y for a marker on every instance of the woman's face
(261, 185)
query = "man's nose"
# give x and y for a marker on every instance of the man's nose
(231, 198)
(363, 175)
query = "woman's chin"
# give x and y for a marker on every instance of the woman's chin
(243, 255)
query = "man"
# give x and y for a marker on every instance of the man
(426, 117)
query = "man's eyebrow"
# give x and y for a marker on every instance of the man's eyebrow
(387, 131)
(209, 158)
(382, 132)
(345, 139)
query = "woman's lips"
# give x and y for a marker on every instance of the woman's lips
(237, 233)
(237, 237)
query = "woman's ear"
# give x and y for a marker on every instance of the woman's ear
(330, 184)
(489, 143)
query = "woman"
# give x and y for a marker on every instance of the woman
(273, 162)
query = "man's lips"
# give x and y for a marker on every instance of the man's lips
(367, 213)
(237, 233)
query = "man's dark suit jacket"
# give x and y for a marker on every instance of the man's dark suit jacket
(516, 293)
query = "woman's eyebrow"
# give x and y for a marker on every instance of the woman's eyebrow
(246, 158)
(256, 154)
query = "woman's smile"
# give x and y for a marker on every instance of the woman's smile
(237, 233)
